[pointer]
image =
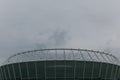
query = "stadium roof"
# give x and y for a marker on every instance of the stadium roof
(62, 54)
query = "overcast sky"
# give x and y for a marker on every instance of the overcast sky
(34, 24)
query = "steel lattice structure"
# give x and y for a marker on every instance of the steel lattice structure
(61, 64)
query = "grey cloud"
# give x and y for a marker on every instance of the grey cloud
(57, 38)
(28, 24)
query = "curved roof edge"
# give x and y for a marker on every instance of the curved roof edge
(62, 50)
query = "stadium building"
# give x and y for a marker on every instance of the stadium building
(61, 64)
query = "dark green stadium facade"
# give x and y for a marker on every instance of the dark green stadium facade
(61, 64)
